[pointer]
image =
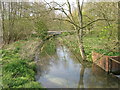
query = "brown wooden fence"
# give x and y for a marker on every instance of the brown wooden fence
(107, 63)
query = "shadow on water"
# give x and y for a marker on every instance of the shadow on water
(62, 70)
(81, 83)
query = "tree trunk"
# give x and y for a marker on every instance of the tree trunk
(11, 21)
(2, 19)
(81, 47)
(80, 31)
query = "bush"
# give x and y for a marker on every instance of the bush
(41, 29)
(21, 29)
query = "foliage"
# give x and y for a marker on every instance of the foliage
(18, 20)
(106, 52)
(41, 29)
(91, 43)
(21, 30)
(49, 48)
(17, 72)
(31, 85)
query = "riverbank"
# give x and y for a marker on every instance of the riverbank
(91, 43)
(18, 66)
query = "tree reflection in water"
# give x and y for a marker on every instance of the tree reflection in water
(81, 82)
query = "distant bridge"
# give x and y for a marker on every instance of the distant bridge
(58, 32)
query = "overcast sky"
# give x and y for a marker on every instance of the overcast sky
(62, 1)
(53, 0)
(58, 0)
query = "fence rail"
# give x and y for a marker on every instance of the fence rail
(115, 60)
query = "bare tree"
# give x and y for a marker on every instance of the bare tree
(69, 18)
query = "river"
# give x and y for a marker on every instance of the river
(62, 70)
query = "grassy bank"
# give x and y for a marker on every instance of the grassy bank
(49, 48)
(18, 66)
(91, 43)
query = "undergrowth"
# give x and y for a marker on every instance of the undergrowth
(106, 52)
(17, 72)
(90, 44)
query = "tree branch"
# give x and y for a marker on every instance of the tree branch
(67, 21)
(70, 10)
(94, 22)
(62, 10)
(82, 5)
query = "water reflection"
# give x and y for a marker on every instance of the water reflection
(62, 70)
(81, 83)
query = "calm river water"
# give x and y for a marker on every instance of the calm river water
(62, 70)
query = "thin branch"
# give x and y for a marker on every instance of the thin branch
(94, 22)
(70, 10)
(88, 17)
(67, 21)
(60, 9)
(82, 5)
(69, 7)
(79, 13)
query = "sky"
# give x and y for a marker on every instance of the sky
(62, 1)
(72, 2)
(54, 0)
(59, 1)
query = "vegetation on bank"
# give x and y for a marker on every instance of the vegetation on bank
(49, 48)
(106, 52)
(91, 43)
(19, 71)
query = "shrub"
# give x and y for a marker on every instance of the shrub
(41, 29)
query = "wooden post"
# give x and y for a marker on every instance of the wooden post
(110, 65)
